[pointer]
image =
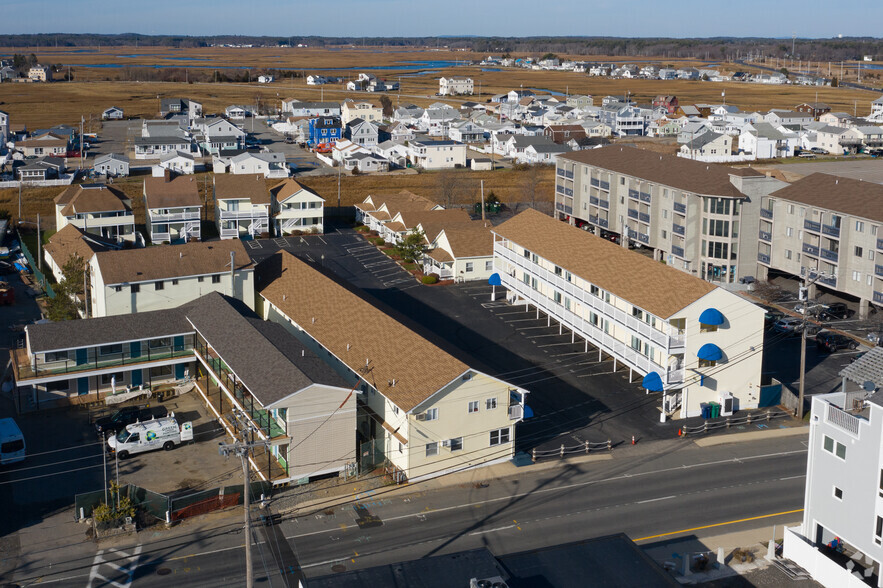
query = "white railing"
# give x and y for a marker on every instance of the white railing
(103, 221)
(229, 233)
(240, 214)
(842, 419)
(669, 342)
(176, 216)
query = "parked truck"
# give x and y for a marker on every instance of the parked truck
(161, 433)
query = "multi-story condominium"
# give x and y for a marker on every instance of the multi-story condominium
(258, 381)
(97, 209)
(300, 209)
(701, 218)
(243, 206)
(455, 86)
(363, 110)
(40, 73)
(840, 542)
(420, 409)
(826, 228)
(137, 280)
(695, 341)
(174, 208)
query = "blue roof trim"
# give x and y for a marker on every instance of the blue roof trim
(495, 280)
(652, 382)
(711, 316)
(710, 352)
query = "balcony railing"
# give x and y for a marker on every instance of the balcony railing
(827, 280)
(644, 196)
(880, 244)
(30, 368)
(831, 230)
(679, 251)
(595, 182)
(766, 213)
(764, 236)
(633, 213)
(828, 254)
(812, 226)
(177, 216)
(238, 214)
(605, 185)
(602, 222)
(878, 297)
(643, 217)
(604, 203)
(678, 229)
(559, 189)
(560, 172)
(842, 419)
(643, 238)
(878, 270)
(593, 219)
(811, 249)
(593, 200)
(681, 208)
(763, 258)
(633, 194)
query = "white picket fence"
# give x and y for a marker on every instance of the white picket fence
(65, 180)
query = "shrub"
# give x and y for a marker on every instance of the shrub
(430, 279)
(362, 229)
(378, 241)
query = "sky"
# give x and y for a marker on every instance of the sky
(407, 18)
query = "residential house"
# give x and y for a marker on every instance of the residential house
(362, 132)
(788, 117)
(815, 109)
(405, 220)
(325, 130)
(455, 86)
(580, 101)
(236, 112)
(72, 242)
(872, 137)
(300, 209)
(564, 133)
(173, 209)
(708, 146)
(539, 153)
(698, 217)
(430, 154)
(466, 131)
(596, 129)
(112, 165)
(44, 144)
(839, 119)
(180, 106)
(179, 162)
(436, 120)
(45, 168)
(316, 80)
(828, 138)
(586, 143)
(270, 164)
(363, 110)
(407, 114)
(377, 211)
(243, 206)
(8, 73)
(826, 227)
(40, 73)
(265, 79)
(311, 109)
(876, 110)
(766, 141)
(4, 129)
(112, 113)
(669, 103)
(398, 133)
(422, 422)
(156, 147)
(130, 281)
(366, 163)
(687, 338)
(463, 252)
(218, 134)
(394, 152)
(98, 209)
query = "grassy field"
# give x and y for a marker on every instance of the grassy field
(508, 185)
(96, 89)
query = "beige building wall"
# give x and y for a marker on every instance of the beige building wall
(323, 435)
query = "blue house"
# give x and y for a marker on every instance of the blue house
(325, 129)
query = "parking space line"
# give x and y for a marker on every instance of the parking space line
(384, 262)
(323, 241)
(554, 344)
(254, 244)
(523, 320)
(597, 374)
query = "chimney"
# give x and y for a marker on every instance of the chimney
(167, 175)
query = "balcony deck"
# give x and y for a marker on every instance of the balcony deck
(25, 370)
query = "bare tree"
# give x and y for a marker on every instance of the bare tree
(530, 181)
(448, 187)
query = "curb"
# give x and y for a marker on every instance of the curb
(752, 436)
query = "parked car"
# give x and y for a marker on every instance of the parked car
(789, 325)
(747, 280)
(831, 342)
(771, 314)
(126, 416)
(819, 151)
(835, 311)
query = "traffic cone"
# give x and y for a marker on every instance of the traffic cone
(679, 433)
(633, 439)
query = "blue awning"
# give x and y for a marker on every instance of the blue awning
(494, 280)
(652, 382)
(528, 411)
(711, 316)
(710, 352)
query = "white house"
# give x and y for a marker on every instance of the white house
(112, 113)
(243, 206)
(236, 112)
(270, 164)
(173, 208)
(429, 154)
(178, 162)
(112, 165)
(300, 209)
(97, 209)
(455, 86)
(463, 252)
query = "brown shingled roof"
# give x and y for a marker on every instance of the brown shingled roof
(171, 261)
(470, 240)
(655, 287)
(845, 195)
(251, 186)
(685, 174)
(179, 191)
(68, 242)
(357, 332)
(288, 188)
(412, 218)
(80, 198)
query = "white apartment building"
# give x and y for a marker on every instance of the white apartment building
(243, 206)
(828, 226)
(174, 209)
(840, 542)
(455, 86)
(688, 338)
(97, 209)
(698, 217)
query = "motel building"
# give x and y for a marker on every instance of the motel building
(693, 341)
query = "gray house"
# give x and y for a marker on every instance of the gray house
(112, 113)
(112, 165)
(361, 132)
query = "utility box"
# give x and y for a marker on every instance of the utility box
(728, 404)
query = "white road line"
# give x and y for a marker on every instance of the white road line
(792, 477)
(654, 499)
(384, 262)
(492, 530)
(321, 239)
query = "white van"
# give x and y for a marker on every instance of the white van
(159, 433)
(12, 442)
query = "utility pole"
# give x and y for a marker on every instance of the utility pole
(482, 200)
(242, 449)
(39, 246)
(804, 297)
(81, 141)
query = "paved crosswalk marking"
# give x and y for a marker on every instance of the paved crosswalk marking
(127, 570)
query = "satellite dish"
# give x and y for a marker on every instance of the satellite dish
(869, 386)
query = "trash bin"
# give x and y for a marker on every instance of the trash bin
(706, 411)
(715, 410)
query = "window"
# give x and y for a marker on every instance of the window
(163, 371)
(500, 436)
(158, 285)
(431, 449)
(557, 297)
(488, 266)
(200, 279)
(707, 328)
(787, 254)
(789, 232)
(790, 209)
(174, 282)
(117, 288)
(871, 254)
(110, 349)
(838, 493)
(56, 356)
(856, 276)
(622, 181)
(159, 343)
(395, 409)
(473, 406)
(859, 227)
(135, 288)
(216, 279)
(120, 379)
(456, 443)
(490, 403)
(432, 414)
(859, 252)
(835, 447)
(469, 266)
(706, 363)
(664, 234)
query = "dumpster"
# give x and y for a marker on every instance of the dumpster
(715, 410)
(706, 411)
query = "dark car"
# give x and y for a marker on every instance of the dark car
(831, 342)
(836, 311)
(127, 415)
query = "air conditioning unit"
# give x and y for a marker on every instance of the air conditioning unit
(421, 416)
(493, 582)
(446, 443)
(728, 404)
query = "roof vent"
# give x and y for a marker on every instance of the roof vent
(348, 346)
(303, 352)
(314, 320)
(837, 181)
(180, 255)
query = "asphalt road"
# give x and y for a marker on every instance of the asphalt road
(673, 491)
